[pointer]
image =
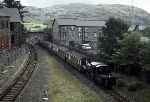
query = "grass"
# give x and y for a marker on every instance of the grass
(146, 94)
(63, 87)
(34, 26)
(11, 69)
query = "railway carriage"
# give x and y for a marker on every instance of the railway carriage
(55, 49)
(62, 53)
(76, 60)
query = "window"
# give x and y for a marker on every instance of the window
(72, 27)
(86, 29)
(64, 28)
(95, 35)
(80, 35)
(12, 27)
(101, 34)
(63, 36)
(2, 24)
(79, 29)
(86, 35)
(12, 39)
(7, 25)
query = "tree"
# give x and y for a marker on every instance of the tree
(20, 8)
(134, 51)
(131, 48)
(146, 32)
(15, 4)
(48, 31)
(9, 3)
(146, 56)
(111, 34)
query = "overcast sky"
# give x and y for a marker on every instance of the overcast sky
(145, 4)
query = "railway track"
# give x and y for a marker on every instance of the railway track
(10, 94)
(118, 97)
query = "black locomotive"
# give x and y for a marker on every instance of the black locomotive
(98, 72)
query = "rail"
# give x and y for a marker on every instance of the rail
(16, 84)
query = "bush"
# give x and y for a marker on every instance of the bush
(134, 51)
(111, 34)
(121, 83)
(135, 86)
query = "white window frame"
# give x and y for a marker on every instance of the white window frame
(79, 29)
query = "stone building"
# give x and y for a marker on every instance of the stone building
(67, 31)
(14, 25)
(5, 35)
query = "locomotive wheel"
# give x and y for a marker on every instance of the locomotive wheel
(107, 84)
(82, 70)
(88, 74)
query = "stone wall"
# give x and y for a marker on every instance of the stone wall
(8, 56)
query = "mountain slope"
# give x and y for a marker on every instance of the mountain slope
(86, 11)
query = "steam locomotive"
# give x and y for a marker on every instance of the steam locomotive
(98, 72)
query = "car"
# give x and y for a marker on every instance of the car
(86, 46)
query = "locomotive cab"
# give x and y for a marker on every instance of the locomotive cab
(102, 74)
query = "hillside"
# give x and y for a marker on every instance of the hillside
(86, 11)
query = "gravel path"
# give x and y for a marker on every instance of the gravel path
(36, 89)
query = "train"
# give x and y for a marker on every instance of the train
(96, 71)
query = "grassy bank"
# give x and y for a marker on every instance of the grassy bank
(34, 25)
(63, 87)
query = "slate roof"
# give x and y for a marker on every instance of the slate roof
(13, 13)
(3, 14)
(80, 22)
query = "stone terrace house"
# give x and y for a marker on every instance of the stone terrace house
(66, 31)
(13, 25)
